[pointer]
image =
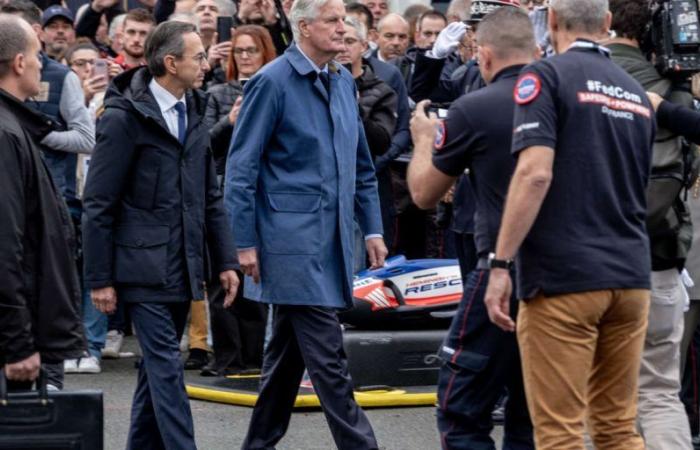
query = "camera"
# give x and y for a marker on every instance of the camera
(674, 37)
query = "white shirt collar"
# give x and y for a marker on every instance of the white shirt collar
(313, 64)
(166, 101)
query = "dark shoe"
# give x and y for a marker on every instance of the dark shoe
(209, 370)
(197, 359)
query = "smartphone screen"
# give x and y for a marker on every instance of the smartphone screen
(101, 68)
(223, 28)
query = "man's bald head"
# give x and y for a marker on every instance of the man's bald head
(20, 66)
(392, 20)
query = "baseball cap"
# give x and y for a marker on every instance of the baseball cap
(481, 8)
(56, 11)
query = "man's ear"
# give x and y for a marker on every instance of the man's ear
(19, 64)
(552, 23)
(304, 28)
(608, 23)
(169, 63)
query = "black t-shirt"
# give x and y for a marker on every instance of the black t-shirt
(477, 135)
(590, 233)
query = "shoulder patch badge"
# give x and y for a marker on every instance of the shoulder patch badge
(527, 88)
(440, 135)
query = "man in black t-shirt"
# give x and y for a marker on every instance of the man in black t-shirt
(575, 216)
(480, 361)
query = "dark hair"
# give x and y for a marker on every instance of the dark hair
(432, 14)
(13, 40)
(629, 18)
(24, 8)
(139, 15)
(359, 8)
(262, 40)
(508, 31)
(82, 44)
(166, 39)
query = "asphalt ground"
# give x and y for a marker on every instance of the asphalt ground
(220, 426)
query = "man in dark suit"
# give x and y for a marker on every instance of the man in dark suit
(152, 210)
(299, 172)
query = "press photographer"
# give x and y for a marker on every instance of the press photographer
(661, 415)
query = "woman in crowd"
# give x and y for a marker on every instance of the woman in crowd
(237, 332)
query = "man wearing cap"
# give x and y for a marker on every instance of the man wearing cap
(57, 32)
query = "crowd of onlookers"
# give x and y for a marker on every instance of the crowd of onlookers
(88, 44)
(397, 59)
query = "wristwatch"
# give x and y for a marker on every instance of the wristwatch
(499, 263)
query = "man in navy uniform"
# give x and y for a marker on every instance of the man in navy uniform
(299, 171)
(480, 360)
(575, 216)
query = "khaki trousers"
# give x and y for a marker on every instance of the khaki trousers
(199, 326)
(581, 355)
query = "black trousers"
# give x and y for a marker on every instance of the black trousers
(238, 333)
(307, 337)
(480, 362)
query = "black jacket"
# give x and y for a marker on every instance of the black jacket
(40, 292)
(378, 103)
(221, 100)
(150, 204)
(406, 64)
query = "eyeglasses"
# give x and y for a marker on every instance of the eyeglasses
(199, 58)
(250, 51)
(82, 62)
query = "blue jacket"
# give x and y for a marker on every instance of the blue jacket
(298, 170)
(152, 207)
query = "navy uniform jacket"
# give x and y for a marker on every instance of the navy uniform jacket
(299, 169)
(150, 203)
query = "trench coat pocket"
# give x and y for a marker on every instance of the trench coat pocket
(293, 224)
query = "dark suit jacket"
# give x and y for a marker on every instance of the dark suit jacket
(151, 205)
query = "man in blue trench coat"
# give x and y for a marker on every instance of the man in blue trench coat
(299, 169)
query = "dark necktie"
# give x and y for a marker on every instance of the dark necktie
(326, 81)
(181, 127)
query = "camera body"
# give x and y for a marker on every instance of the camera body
(674, 37)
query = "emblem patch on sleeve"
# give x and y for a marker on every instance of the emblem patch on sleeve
(440, 135)
(527, 88)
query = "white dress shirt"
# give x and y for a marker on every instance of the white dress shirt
(166, 101)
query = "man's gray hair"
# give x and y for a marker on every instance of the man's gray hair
(115, 25)
(14, 39)
(304, 10)
(460, 9)
(166, 39)
(185, 17)
(358, 26)
(582, 15)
